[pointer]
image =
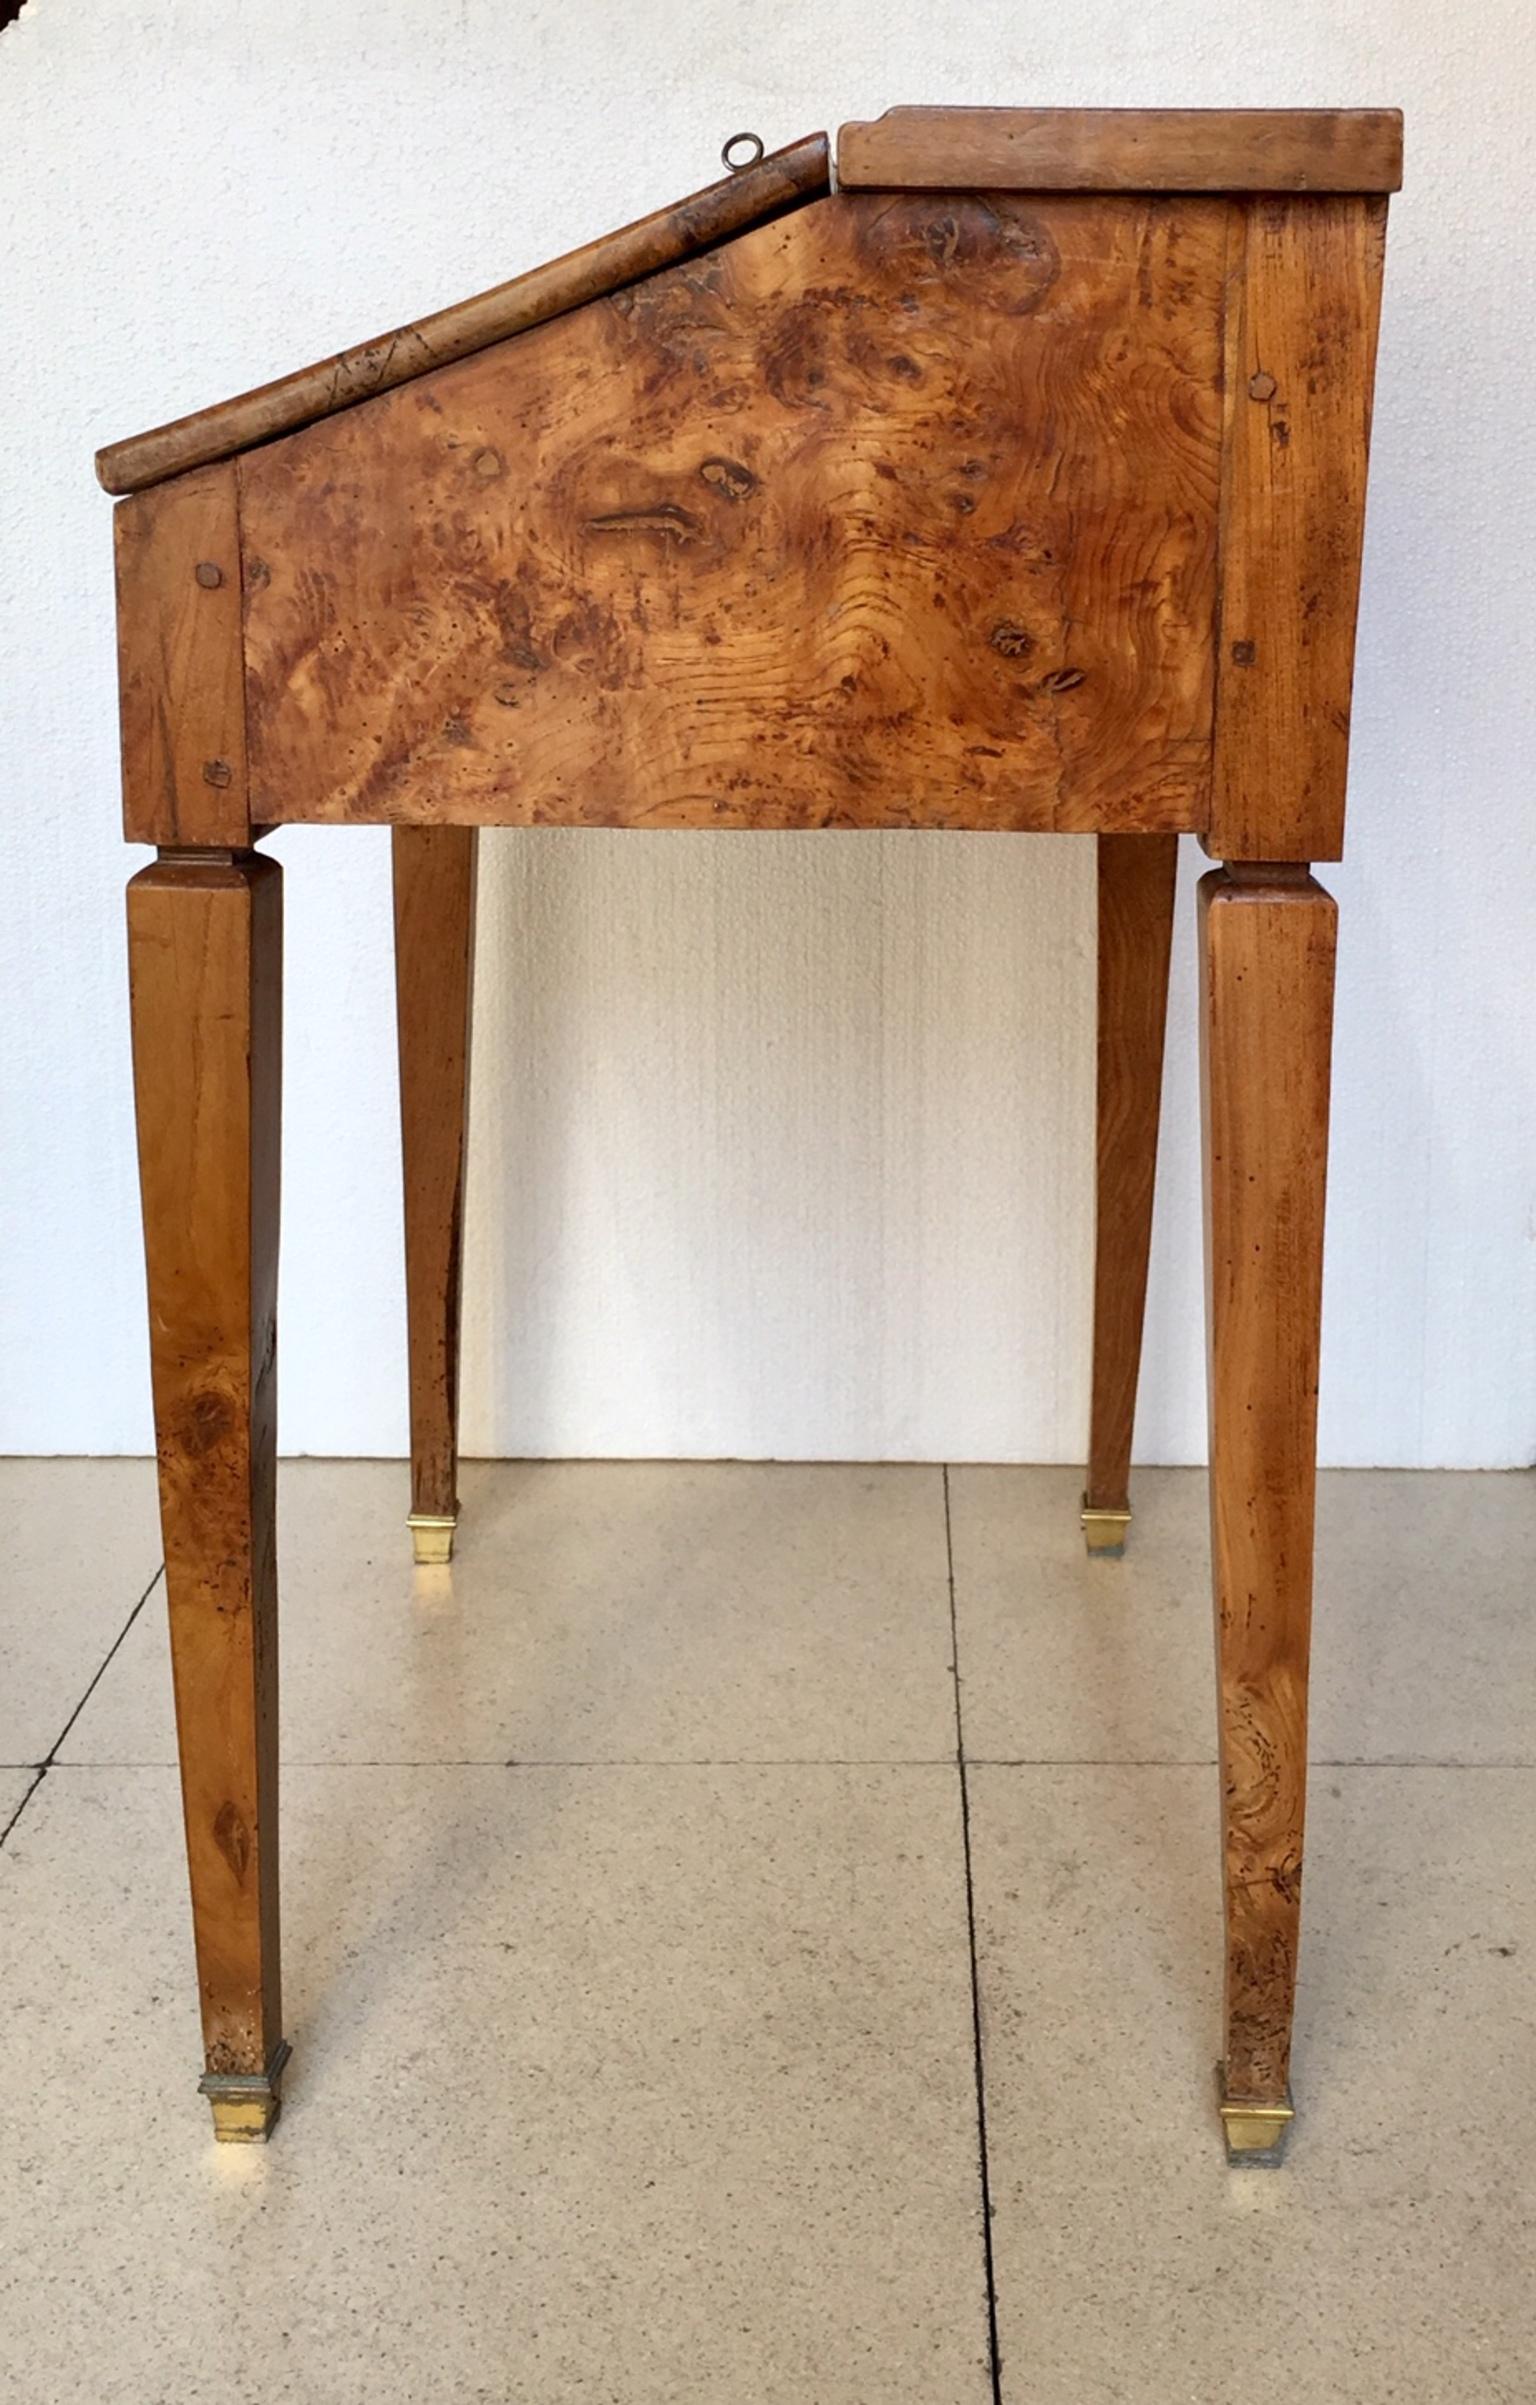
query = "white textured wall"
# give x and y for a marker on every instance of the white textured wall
(782, 1146)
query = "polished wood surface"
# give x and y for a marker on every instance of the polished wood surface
(1301, 367)
(205, 972)
(1267, 959)
(994, 507)
(434, 880)
(689, 227)
(180, 663)
(1135, 894)
(1125, 150)
(774, 541)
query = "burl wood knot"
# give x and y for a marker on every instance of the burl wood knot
(233, 1839)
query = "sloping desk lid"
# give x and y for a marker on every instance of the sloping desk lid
(908, 149)
(748, 197)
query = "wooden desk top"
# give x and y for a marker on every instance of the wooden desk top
(1124, 150)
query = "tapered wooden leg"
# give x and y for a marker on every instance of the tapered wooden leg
(1136, 881)
(205, 960)
(434, 975)
(1267, 939)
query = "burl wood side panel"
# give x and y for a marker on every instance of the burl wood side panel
(901, 510)
(1302, 334)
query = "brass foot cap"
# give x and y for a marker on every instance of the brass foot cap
(432, 1536)
(1255, 2133)
(1104, 1530)
(246, 2104)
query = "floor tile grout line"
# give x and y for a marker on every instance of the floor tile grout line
(39, 1773)
(1096, 1762)
(497, 1762)
(1208, 1762)
(1411, 1762)
(773, 1762)
(103, 1667)
(994, 2354)
(50, 1759)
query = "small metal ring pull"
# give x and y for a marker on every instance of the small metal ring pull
(754, 152)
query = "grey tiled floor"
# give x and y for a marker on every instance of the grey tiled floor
(640, 1927)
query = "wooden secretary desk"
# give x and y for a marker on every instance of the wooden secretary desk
(1009, 477)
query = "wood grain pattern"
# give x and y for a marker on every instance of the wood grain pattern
(434, 879)
(754, 194)
(774, 540)
(1125, 150)
(1299, 383)
(205, 966)
(181, 677)
(1267, 958)
(1136, 876)
(1005, 507)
